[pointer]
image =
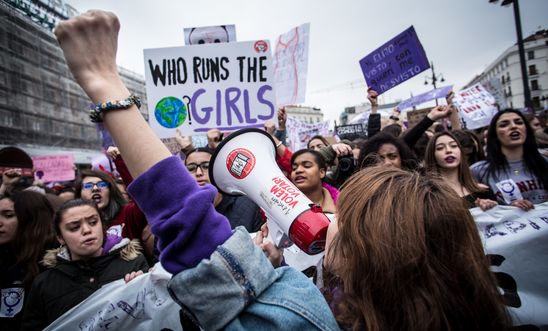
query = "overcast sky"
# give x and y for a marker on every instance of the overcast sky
(461, 37)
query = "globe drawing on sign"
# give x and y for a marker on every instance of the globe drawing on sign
(170, 112)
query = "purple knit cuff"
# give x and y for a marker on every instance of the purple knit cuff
(181, 214)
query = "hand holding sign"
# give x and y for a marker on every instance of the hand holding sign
(372, 97)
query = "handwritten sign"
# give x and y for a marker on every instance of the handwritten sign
(291, 65)
(516, 243)
(394, 62)
(228, 86)
(424, 97)
(53, 168)
(476, 106)
(494, 86)
(142, 304)
(299, 133)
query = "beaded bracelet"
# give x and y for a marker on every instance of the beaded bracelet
(95, 112)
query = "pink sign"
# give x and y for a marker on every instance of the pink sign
(53, 168)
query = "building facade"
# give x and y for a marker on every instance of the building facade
(506, 70)
(41, 105)
(305, 114)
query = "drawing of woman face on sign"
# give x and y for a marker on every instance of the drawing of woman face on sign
(210, 35)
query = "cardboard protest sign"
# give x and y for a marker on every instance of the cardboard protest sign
(54, 168)
(476, 106)
(299, 133)
(228, 86)
(291, 65)
(516, 243)
(396, 61)
(415, 116)
(425, 97)
(210, 34)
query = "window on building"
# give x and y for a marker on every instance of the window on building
(532, 70)
(534, 85)
(509, 94)
(508, 77)
(503, 79)
(531, 55)
(536, 102)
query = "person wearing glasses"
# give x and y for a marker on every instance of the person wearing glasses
(121, 218)
(240, 210)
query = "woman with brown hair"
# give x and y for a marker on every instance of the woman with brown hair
(26, 231)
(408, 256)
(445, 157)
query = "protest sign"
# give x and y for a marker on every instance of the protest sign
(299, 133)
(362, 118)
(494, 86)
(517, 244)
(351, 131)
(415, 116)
(228, 86)
(210, 34)
(424, 97)
(396, 61)
(53, 168)
(476, 106)
(291, 65)
(143, 304)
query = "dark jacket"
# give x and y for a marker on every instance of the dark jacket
(241, 210)
(67, 283)
(12, 289)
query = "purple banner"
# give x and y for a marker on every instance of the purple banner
(424, 97)
(106, 139)
(394, 62)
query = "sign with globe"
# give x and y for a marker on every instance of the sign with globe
(170, 112)
(226, 86)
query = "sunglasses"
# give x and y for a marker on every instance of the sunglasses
(89, 185)
(192, 167)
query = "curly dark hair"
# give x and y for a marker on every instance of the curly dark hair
(370, 148)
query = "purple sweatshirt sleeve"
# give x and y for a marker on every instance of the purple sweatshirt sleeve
(180, 213)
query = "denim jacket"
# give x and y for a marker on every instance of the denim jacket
(238, 289)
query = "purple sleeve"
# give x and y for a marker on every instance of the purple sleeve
(180, 213)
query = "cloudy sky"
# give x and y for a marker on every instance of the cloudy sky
(461, 37)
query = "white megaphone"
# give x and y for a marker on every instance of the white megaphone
(244, 164)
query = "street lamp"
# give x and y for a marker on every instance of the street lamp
(521, 49)
(433, 79)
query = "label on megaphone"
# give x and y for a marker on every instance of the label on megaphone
(244, 163)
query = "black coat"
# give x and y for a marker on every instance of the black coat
(68, 283)
(12, 277)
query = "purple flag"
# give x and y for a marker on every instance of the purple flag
(424, 97)
(394, 62)
(106, 139)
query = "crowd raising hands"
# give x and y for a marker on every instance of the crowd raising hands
(402, 250)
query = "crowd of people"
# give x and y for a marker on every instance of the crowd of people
(402, 250)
